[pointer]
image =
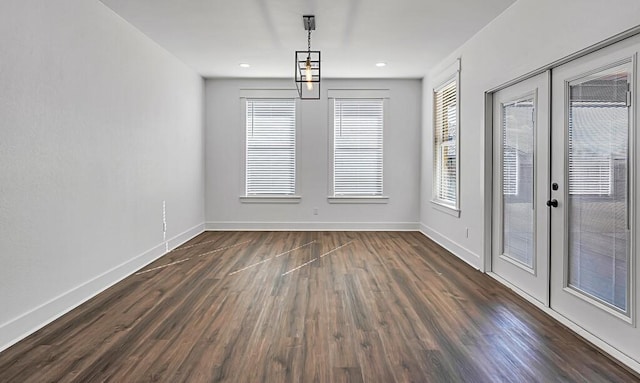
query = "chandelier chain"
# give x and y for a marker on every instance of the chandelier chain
(307, 72)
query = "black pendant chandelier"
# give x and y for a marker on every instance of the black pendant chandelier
(307, 70)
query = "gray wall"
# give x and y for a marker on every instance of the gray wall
(98, 126)
(527, 36)
(225, 159)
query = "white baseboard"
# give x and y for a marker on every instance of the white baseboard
(589, 337)
(24, 325)
(459, 251)
(185, 236)
(311, 226)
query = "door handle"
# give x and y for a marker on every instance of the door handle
(552, 203)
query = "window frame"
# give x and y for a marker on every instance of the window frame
(266, 94)
(363, 94)
(448, 76)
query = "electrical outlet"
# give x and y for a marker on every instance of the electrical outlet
(315, 211)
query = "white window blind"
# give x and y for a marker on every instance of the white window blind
(270, 147)
(510, 170)
(592, 161)
(445, 143)
(357, 147)
(589, 174)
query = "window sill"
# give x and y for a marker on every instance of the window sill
(359, 199)
(452, 211)
(271, 199)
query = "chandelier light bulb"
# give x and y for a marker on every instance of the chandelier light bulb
(308, 74)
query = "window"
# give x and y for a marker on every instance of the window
(357, 147)
(270, 147)
(445, 149)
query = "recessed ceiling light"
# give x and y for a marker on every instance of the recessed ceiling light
(244, 65)
(381, 64)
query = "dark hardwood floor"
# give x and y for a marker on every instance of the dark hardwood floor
(307, 307)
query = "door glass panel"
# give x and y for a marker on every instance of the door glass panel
(598, 187)
(518, 138)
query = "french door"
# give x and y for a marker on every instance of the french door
(521, 166)
(565, 194)
(593, 197)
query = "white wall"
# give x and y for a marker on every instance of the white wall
(98, 125)
(225, 159)
(528, 35)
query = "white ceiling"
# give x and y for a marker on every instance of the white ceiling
(215, 36)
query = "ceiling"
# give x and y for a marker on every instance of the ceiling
(215, 36)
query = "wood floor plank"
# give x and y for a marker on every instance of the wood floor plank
(347, 375)
(307, 307)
